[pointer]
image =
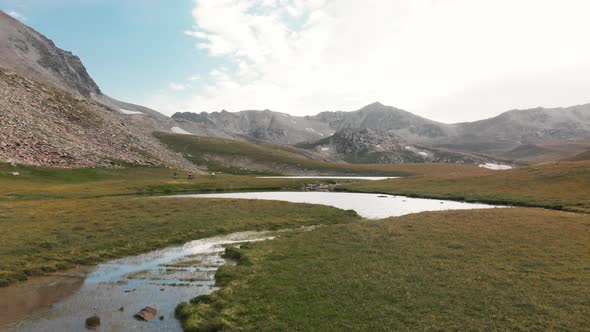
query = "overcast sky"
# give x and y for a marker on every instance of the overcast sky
(449, 60)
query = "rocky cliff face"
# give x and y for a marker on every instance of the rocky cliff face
(377, 146)
(28, 52)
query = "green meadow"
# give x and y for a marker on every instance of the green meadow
(499, 269)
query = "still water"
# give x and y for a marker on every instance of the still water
(370, 206)
(370, 178)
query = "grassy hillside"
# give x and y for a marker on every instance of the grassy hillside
(500, 269)
(558, 186)
(245, 158)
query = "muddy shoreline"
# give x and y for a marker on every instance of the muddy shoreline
(117, 289)
(37, 294)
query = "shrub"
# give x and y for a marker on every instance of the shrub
(92, 322)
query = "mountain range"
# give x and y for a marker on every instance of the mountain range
(518, 134)
(54, 114)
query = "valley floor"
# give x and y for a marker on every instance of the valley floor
(520, 268)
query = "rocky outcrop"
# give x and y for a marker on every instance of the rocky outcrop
(377, 146)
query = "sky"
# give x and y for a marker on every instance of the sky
(448, 60)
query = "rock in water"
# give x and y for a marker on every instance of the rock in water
(147, 313)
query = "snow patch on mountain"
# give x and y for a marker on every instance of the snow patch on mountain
(178, 130)
(496, 167)
(128, 112)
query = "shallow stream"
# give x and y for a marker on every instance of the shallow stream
(118, 289)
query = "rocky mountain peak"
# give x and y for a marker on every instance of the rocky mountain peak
(374, 105)
(33, 55)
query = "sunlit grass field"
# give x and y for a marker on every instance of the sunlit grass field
(499, 269)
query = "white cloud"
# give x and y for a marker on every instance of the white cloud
(17, 15)
(194, 78)
(427, 56)
(178, 86)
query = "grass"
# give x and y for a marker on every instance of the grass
(40, 236)
(245, 158)
(561, 186)
(54, 218)
(499, 269)
(52, 183)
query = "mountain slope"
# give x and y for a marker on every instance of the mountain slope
(28, 52)
(521, 134)
(281, 128)
(32, 55)
(273, 127)
(46, 126)
(380, 117)
(54, 114)
(538, 135)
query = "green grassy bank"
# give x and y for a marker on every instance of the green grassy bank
(500, 269)
(40, 236)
